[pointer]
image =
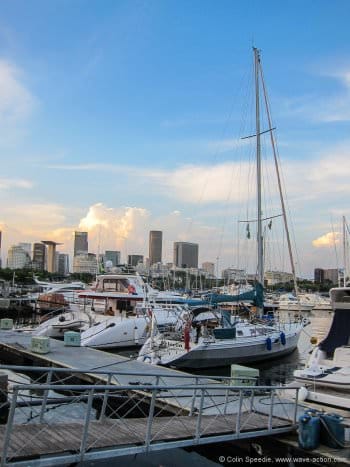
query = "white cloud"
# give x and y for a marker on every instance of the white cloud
(16, 101)
(8, 183)
(326, 174)
(332, 107)
(327, 240)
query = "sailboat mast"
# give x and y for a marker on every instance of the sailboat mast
(258, 169)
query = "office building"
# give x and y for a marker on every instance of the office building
(26, 247)
(331, 275)
(51, 254)
(209, 268)
(39, 257)
(326, 275)
(318, 276)
(134, 260)
(155, 246)
(63, 264)
(112, 256)
(185, 255)
(85, 264)
(277, 277)
(17, 258)
(81, 245)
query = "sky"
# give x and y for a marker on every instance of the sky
(119, 117)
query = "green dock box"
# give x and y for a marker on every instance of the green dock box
(72, 339)
(6, 323)
(40, 344)
(243, 375)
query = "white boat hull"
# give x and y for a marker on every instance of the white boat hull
(222, 352)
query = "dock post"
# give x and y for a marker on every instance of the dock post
(9, 426)
(86, 425)
(199, 419)
(105, 399)
(4, 404)
(238, 419)
(272, 396)
(45, 396)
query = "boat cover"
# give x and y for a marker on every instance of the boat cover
(339, 333)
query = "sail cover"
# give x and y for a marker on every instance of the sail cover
(339, 333)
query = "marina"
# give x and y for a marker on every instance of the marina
(172, 294)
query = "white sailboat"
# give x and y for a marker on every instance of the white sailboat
(218, 340)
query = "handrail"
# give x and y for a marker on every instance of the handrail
(149, 387)
(117, 372)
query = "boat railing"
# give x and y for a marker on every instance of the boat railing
(142, 415)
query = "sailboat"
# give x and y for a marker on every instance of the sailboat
(216, 338)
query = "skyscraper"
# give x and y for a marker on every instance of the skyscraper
(39, 255)
(186, 255)
(155, 246)
(81, 246)
(51, 254)
(63, 264)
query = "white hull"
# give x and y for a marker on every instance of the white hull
(119, 331)
(116, 332)
(208, 354)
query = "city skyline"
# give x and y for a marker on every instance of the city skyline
(143, 131)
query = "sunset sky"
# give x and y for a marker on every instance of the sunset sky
(118, 117)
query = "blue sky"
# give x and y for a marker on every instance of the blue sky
(126, 115)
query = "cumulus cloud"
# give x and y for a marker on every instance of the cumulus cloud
(116, 227)
(327, 240)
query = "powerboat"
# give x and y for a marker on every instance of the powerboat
(123, 330)
(329, 364)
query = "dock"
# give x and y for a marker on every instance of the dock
(83, 404)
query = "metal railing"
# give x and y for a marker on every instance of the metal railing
(69, 423)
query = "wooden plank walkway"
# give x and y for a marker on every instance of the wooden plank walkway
(34, 440)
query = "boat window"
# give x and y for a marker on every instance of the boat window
(239, 333)
(115, 285)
